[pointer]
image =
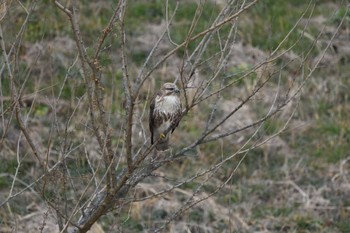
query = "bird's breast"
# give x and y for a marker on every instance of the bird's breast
(167, 104)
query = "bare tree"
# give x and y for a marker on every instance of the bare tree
(113, 147)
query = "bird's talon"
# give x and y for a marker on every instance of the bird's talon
(162, 136)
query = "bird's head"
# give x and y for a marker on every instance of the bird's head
(170, 89)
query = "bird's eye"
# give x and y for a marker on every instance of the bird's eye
(169, 88)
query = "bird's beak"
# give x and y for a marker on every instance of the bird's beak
(177, 91)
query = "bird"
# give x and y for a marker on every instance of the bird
(164, 115)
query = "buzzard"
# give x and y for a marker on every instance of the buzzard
(164, 115)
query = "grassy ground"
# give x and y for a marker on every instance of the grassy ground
(297, 182)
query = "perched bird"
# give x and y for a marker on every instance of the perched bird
(164, 115)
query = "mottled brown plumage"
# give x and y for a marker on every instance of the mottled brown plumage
(164, 116)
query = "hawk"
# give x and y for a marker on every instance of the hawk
(164, 115)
